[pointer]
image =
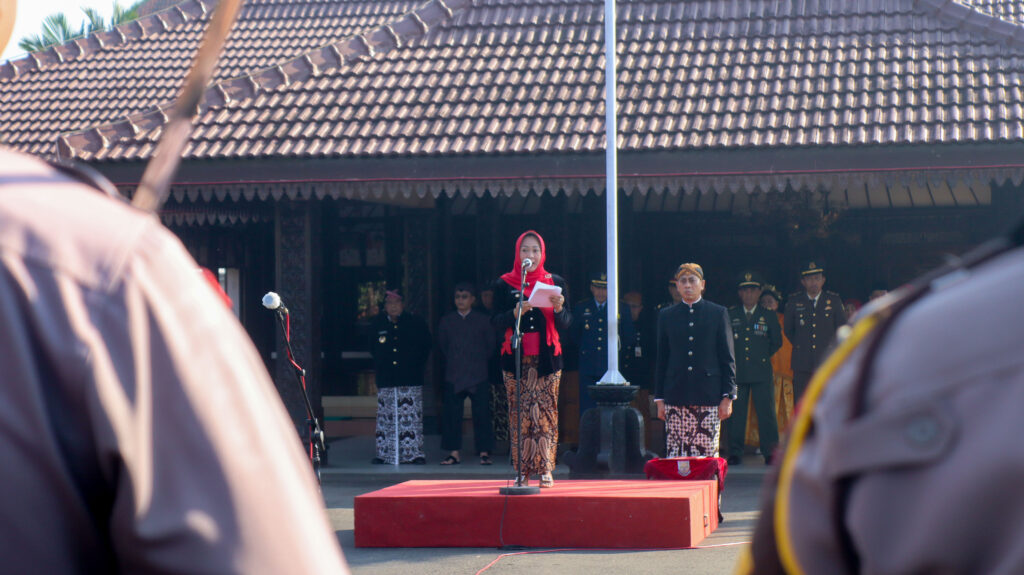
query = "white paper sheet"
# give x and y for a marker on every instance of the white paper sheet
(541, 294)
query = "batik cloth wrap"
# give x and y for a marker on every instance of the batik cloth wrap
(692, 430)
(539, 396)
(400, 424)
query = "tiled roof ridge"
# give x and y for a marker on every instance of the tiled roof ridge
(142, 27)
(1012, 10)
(375, 41)
(974, 19)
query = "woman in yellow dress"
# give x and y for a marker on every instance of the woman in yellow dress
(771, 299)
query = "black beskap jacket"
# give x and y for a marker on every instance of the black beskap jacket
(399, 350)
(696, 364)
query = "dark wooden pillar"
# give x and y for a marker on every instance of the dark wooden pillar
(1003, 215)
(487, 239)
(420, 286)
(298, 260)
(553, 222)
(447, 250)
(630, 272)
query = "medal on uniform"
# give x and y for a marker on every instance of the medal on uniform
(801, 321)
(382, 338)
(637, 351)
(586, 326)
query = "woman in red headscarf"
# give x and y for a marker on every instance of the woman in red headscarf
(541, 358)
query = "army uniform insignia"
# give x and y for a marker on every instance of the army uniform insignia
(586, 326)
(748, 277)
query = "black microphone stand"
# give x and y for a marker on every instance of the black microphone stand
(520, 487)
(315, 433)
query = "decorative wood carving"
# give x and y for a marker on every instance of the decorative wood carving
(297, 267)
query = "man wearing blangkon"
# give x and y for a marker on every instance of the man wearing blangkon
(139, 430)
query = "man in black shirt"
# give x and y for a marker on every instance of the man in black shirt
(466, 340)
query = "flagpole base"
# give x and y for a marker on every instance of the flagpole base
(520, 490)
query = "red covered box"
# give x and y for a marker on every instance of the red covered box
(690, 469)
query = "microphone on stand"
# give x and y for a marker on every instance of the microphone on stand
(527, 262)
(272, 301)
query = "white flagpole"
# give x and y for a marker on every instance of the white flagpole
(612, 377)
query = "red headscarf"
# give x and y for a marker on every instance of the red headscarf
(512, 278)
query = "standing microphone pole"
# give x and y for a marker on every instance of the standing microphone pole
(520, 487)
(272, 301)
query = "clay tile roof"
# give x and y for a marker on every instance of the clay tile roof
(140, 66)
(361, 78)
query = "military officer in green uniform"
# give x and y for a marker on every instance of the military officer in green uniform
(590, 332)
(673, 293)
(811, 320)
(757, 336)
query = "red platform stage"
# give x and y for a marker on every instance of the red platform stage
(596, 514)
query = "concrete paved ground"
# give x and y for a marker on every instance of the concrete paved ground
(350, 474)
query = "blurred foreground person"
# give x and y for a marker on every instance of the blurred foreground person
(139, 429)
(901, 458)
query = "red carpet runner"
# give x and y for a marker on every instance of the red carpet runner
(583, 513)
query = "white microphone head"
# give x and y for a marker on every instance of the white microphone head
(527, 262)
(271, 300)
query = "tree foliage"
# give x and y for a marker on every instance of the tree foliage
(57, 29)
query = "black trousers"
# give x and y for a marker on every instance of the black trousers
(801, 379)
(451, 417)
(763, 395)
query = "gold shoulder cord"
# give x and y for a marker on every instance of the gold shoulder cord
(878, 316)
(801, 426)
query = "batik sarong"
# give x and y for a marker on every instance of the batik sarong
(499, 413)
(539, 397)
(692, 430)
(400, 424)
